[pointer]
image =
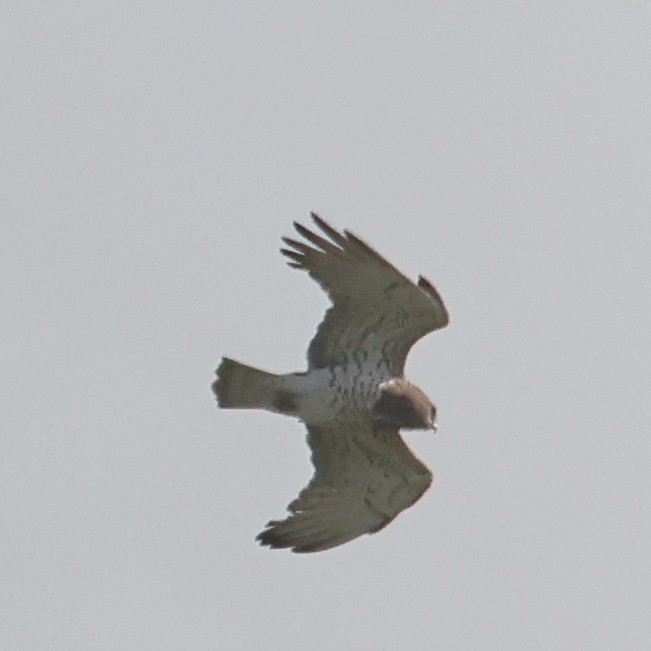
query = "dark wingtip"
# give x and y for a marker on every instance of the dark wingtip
(430, 290)
(361, 245)
(299, 246)
(331, 232)
(323, 245)
(296, 257)
(267, 538)
(319, 221)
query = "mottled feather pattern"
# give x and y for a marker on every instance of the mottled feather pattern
(374, 305)
(362, 482)
(353, 397)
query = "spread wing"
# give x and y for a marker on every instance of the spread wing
(362, 481)
(377, 314)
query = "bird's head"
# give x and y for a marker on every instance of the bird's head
(402, 404)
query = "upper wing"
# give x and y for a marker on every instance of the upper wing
(377, 313)
(362, 481)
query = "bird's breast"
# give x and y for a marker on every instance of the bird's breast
(338, 393)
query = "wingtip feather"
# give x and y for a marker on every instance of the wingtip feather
(331, 232)
(426, 286)
(324, 246)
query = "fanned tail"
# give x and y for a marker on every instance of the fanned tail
(239, 386)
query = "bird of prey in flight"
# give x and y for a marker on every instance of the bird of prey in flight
(353, 398)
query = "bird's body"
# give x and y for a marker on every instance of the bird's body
(353, 397)
(319, 396)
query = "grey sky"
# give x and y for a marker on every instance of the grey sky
(153, 155)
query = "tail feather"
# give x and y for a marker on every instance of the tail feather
(239, 386)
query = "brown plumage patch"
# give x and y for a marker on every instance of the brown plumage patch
(401, 404)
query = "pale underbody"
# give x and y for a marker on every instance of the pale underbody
(319, 396)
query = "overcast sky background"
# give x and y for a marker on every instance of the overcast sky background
(153, 155)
